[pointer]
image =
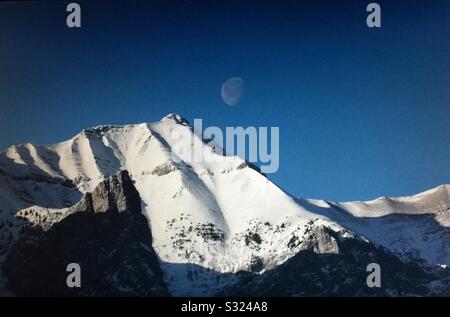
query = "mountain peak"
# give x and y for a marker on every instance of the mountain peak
(176, 118)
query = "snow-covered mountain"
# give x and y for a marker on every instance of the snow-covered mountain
(210, 221)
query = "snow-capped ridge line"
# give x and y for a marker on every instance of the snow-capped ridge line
(221, 216)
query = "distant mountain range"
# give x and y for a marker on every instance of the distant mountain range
(113, 200)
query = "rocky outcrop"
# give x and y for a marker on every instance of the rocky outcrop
(116, 194)
(105, 234)
(321, 241)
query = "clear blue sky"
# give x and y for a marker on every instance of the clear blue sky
(362, 112)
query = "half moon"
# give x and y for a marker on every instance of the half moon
(232, 90)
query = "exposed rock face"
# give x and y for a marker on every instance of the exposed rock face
(116, 194)
(105, 234)
(320, 241)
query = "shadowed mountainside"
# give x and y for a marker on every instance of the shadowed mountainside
(105, 234)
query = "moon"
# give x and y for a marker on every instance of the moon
(232, 90)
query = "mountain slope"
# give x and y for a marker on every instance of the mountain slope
(341, 273)
(210, 219)
(415, 227)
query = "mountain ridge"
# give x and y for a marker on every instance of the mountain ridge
(217, 217)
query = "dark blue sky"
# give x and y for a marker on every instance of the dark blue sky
(362, 112)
